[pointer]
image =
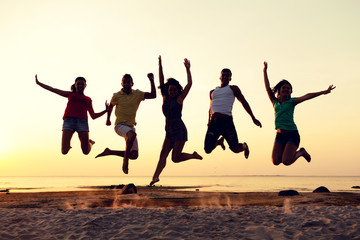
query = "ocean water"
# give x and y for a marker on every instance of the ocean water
(202, 183)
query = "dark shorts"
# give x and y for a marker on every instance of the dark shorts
(292, 137)
(176, 130)
(75, 124)
(222, 126)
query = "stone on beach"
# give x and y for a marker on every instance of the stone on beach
(128, 189)
(288, 193)
(321, 189)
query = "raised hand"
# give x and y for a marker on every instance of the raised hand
(265, 66)
(187, 63)
(330, 88)
(151, 76)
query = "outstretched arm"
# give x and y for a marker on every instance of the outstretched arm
(152, 94)
(51, 89)
(245, 104)
(313, 95)
(267, 84)
(96, 115)
(189, 79)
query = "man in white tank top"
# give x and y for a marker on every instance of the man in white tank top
(220, 116)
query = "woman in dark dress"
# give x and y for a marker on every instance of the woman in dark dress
(176, 133)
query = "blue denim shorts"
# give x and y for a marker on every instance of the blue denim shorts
(75, 124)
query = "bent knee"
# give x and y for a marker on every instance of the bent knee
(276, 161)
(175, 159)
(134, 155)
(131, 134)
(287, 163)
(86, 152)
(208, 150)
(235, 150)
(65, 150)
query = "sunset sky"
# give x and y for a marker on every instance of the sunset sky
(310, 43)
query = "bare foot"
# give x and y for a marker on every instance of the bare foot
(221, 143)
(305, 154)
(155, 180)
(104, 153)
(197, 156)
(125, 166)
(246, 150)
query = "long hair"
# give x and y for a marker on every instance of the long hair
(73, 88)
(165, 87)
(276, 89)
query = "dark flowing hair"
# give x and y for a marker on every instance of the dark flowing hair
(276, 89)
(73, 88)
(165, 87)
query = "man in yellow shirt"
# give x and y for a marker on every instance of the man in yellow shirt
(126, 103)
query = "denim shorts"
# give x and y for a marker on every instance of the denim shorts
(75, 124)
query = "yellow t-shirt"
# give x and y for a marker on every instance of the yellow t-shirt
(126, 106)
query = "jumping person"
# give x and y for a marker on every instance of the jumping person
(220, 116)
(75, 116)
(126, 103)
(287, 137)
(176, 132)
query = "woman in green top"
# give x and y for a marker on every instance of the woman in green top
(287, 137)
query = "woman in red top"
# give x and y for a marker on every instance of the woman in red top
(75, 116)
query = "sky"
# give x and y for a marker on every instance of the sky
(310, 43)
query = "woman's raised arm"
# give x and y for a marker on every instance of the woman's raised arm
(51, 89)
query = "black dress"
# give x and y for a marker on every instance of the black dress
(174, 127)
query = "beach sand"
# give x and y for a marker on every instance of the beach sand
(162, 213)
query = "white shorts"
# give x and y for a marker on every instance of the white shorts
(122, 130)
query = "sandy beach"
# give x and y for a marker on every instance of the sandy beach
(161, 213)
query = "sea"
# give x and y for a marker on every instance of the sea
(186, 183)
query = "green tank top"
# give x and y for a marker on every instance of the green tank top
(284, 115)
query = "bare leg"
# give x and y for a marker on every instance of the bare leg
(130, 138)
(290, 154)
(65, 141)
(166, 148)
(241, 147)
(305, 154)
(86, 143)
(179, 156)
(277, 153)
(107, 152)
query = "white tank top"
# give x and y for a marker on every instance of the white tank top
(222, 100)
